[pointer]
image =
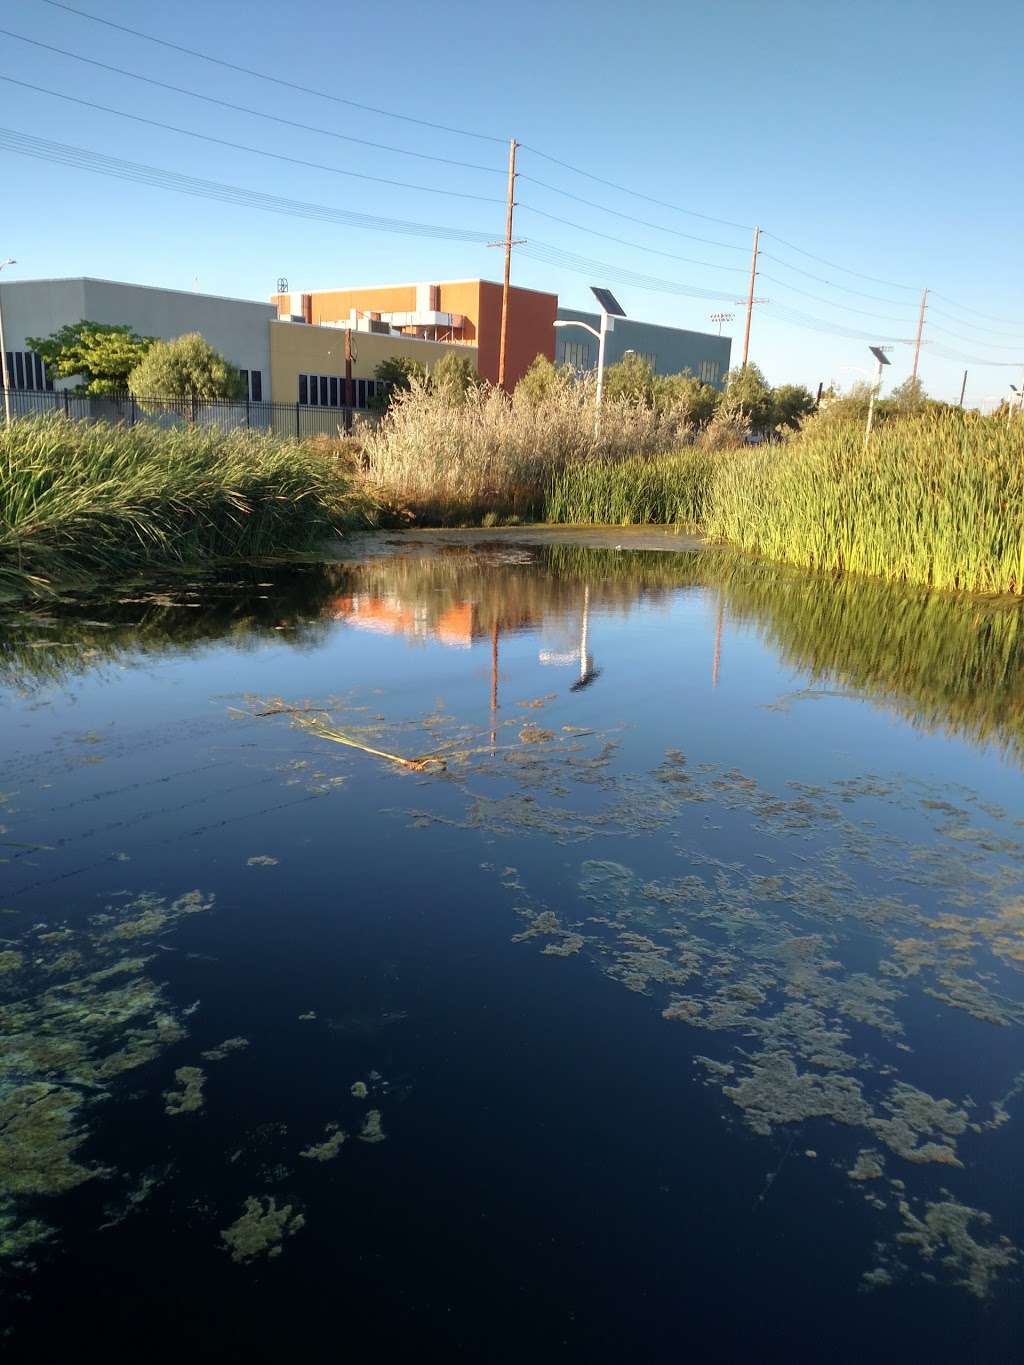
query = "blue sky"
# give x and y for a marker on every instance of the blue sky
(883, 138)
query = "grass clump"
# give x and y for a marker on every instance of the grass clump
(670, 490)
(82, 501)
(452, 458)
(936, 500)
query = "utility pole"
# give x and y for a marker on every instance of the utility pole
(505, 288)
(963, 389)
(920, 329)
(5, 378)
(349, 395)
(750, 295)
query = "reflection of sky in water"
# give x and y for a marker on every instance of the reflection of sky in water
(526, 1098)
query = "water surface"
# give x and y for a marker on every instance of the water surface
(669, 1008)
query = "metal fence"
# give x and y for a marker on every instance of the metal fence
(220, 414)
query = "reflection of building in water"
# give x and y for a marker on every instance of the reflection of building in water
(458, 625)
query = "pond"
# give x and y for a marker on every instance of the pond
(530, 951)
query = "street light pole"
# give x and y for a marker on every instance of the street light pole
(5, 377)
(879, 353)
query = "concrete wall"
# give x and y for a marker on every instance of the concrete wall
(670, 349)
(237, 328)
(298, 348)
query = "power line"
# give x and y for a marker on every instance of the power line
(586, 265)
(976, 341)
(266, 76)
(243, 147)
(83, 159)
(636, 246)
(1013, 322)
(245, 109)
(832, 284)
(829, 303)
(976, 326)
(623, 189)
(627, 217)
(889, 284)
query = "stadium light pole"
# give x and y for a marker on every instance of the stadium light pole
(5, 378)
(720, 318)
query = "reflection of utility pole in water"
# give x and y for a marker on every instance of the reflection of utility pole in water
(588, 672)
(719, 618)
(494, 684)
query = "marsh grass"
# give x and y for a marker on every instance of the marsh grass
(82, 502)
(453, 461)
(936, 500)
(670, 490)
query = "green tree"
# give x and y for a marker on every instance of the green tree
(101, 354)
(542, 381)
(455, 375)
(187, 367)
(397, 374)
(747, 390)
(631, 379)
(792, 403)
(909, 397)
(684, 391)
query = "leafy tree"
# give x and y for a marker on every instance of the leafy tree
(455, 375)
(397, 374)
(187, 367)
(101, 354)
(631, 379)
(908, 397)
(543, 380)
(747, 389)
(684, 391)
(792, 403)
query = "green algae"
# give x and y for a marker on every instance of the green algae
(870, 1165)
(261, 1229)
(10, 961)
(262, 860)
(946, 1236)
(225, 1049)
(359, 1090)
(329, 1148)
(372, 1130)
(189, 1098)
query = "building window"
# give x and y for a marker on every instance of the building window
(256, 385)
(303, 398)
(710, 371)
(39, 372)
(575, 353)
(334, 391)
(650, 358)
(19, 370)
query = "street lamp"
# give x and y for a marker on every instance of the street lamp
(879, 352)
(5, 377)
(720, 318)
(610, 310)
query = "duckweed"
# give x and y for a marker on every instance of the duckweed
(260, 1229)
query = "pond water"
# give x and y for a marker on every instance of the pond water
(664, 1003)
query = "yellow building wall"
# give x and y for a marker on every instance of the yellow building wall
(298, 348)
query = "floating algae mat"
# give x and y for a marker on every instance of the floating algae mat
(635, 937)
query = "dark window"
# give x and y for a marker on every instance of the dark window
(360, 393)
(371, 389)
(244, 375)
(314, 390)
(324, 400)
(10, 369)
(256, 385)
(19, 370)
(302, 389)
(39, 371)
(334, 391)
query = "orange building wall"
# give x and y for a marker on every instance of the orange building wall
(531, 318)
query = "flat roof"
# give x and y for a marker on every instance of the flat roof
(409, 284)
(639, 322)
(334, 329)
(129, 284)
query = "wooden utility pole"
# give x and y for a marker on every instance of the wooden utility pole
(506, 285)
(750, 295)
(349, 395)
(963, 389)
(920, 329)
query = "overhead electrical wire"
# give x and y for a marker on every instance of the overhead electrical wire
(832, 284)
(635, 246)
(628, 217)
(889, 284)
(1012, 322)
(830, 303)
(83, 159)
(623, 189)
(255, 113)
(267, 76)
(244, 147)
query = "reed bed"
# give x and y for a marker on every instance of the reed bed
(936, 500)
(669, 490)
(455, 461)
(81, 502)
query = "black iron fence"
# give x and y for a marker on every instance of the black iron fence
(221, 414)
